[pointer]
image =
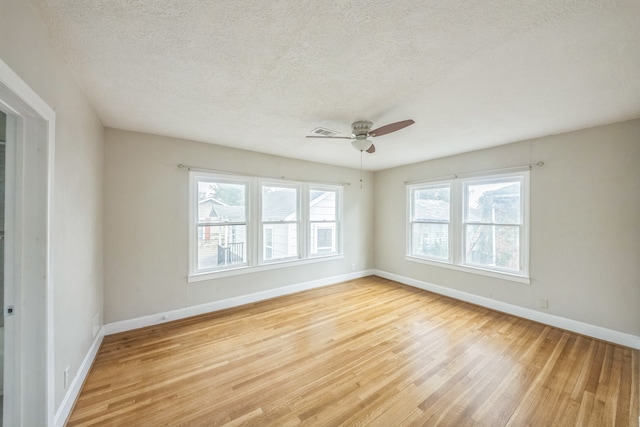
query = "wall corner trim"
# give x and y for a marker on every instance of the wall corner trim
(64, 410)
(578, 327)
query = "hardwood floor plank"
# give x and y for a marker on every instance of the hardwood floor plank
(364, 352)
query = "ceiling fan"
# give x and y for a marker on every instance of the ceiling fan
(360, 131)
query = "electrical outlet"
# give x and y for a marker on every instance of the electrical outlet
(544, 303)
(65, 377)
(353, 267)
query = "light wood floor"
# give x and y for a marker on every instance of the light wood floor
(364, 352)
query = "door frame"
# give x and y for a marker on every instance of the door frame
(29, 366)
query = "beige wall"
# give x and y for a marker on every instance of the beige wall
(585, 205)
(585, 227)
(76, 223)
(146, 223)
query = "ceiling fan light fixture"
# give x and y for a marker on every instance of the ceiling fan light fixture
(361, 144)
(361, 130)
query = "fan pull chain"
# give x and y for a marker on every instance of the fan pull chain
(361, 169)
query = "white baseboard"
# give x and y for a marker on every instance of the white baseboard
(64, 410)
(582, 328)
(155, 319)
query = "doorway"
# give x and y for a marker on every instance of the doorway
(3, 142)
(28, 383)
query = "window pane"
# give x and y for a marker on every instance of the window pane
(323, 238)
(221, 202)
(280, 241)
(430, 240)
(497, 202)
(322, 205)
(221, 245)
(431, 204)
(279, 204)
(493, 246)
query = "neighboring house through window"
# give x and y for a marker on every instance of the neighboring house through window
(280, 221)
(221, 223)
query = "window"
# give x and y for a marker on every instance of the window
(430, 221)
(476, 223)
(493, 223)
(221, 223)
(323, 221)
(245, 223)
(279, 222)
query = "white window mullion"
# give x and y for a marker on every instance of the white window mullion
(457, 233)
(304, 223)
(255, 236)
(259, 224)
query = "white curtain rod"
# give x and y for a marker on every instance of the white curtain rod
(469, 174)
(199, 169)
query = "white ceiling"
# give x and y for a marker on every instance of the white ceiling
(260, 75)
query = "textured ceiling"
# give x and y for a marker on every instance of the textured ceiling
(260, 75)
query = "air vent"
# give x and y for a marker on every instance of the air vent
(324, 132)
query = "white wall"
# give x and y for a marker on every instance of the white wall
(76, 228)
(146, 223)
(585, 225)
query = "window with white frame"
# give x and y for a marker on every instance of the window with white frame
(430, 219)
(280, 218)
(479, 223)
(221, 223)
(242, 223)
(493, 223)
(323, 220)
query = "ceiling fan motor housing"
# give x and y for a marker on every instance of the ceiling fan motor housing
(361, 128)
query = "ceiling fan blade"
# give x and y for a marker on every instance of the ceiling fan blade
(391, 128)
(371, 149)
(329, 137)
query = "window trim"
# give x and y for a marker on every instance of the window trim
(254, 225)
(456, 231)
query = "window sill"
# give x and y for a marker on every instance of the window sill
(473, 270)
(210, 275)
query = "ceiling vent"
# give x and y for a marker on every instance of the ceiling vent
(320, 131)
